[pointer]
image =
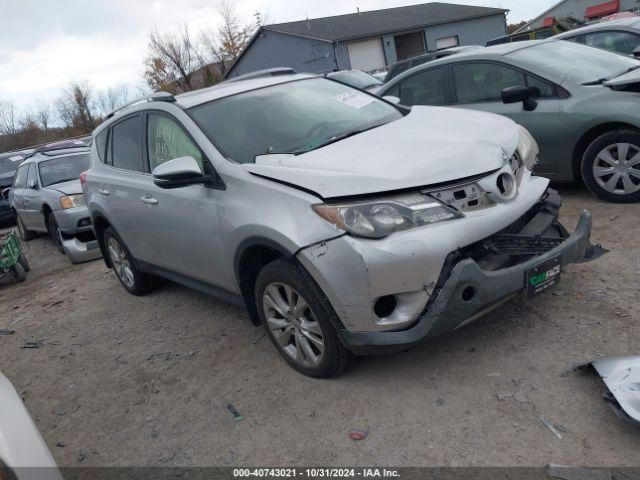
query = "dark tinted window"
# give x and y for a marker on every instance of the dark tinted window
(619, 42)
(126, 144)
(20, 180)
(484, 82)
(424, 88)
(101, 144)
(62, 169)
(32, 176)
(546, 89)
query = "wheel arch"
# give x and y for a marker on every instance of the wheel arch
(100, 224)
(250, 257)
(589, 136)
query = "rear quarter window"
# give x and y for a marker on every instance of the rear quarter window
(101, 145)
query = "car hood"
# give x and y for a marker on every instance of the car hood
(6, 179)
(72, 187)
(430, 145)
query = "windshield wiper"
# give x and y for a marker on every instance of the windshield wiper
(60, 181)
(600, 81)
(332, 139)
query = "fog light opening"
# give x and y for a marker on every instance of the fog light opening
(385, 306)
(468, 294)
(505, 184)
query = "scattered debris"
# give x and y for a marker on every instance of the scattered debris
(119, 359)
(61, 444)
(4, 331)
(440, 402)
(167, 458)
(260, 337)
(521, 398)
(59, 411)
(231, 457)
(495, 374)
(32, 344)
(236, 414)
(358, 435)
(504, 396)
(615, 217)
(573, 473)
(550, 426)
(81, 456)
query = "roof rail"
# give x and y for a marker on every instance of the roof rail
(268, 72)
(154, 97)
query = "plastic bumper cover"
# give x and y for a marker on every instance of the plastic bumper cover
(79, 251)
(449, 311)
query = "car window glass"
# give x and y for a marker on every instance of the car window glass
(546, 89)
(620, 42)
(20, 179)
(167, 140)
(101, 144)
(63, 169)
(484, 82)
(424, 88)
(126, 144)
(31, 176)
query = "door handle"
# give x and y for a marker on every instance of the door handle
(102, 191)
(149, 200)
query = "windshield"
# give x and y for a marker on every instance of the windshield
(62, 169)
(355, 79)
(577, 62)
(292, 117)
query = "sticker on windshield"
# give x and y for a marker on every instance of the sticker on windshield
(16, 158)
(354, 99)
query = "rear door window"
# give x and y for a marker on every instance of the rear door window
(166, 140)
(484, 82)
(126, 144)
(424, 88)
(32, 176)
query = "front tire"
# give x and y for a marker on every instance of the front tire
(22, 259)
(22, 230)
(54, 232)
(611, 166)
(299, 320)
(124, 265)
(18, 273)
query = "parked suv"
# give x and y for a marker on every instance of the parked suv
(343, 223)
(46, 197)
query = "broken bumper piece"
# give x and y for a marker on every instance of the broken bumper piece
(473, 288)
(621, 376)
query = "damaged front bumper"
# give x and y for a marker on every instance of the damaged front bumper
(477, 278)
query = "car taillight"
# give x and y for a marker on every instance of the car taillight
(83, 179)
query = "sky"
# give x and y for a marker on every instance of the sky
(45, 44)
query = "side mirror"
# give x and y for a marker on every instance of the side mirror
(636, 52)
(179, 172)
(392, 99)
(4, 194)
(520, 93)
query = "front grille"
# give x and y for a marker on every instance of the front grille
(505, 244)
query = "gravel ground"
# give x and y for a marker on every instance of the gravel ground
(124, 381)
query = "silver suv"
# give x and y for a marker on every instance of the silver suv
(343, 223)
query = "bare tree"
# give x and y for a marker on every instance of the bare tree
(43, 114)
(9, 122)
(171, 60)
(76, 107)
(112, 98)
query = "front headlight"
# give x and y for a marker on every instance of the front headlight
(381, 217)
(528, 148)
(71, 201)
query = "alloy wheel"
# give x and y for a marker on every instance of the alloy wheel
(293, 324)
(616, 169)
(120, 262)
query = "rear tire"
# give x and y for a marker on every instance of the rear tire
(22, 230)
(23, 261)
(125, 267)
(606, 174)
(299, 320)
(54, 232)
(18, 273)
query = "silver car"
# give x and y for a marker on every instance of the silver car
(344, 224)
(46, 197)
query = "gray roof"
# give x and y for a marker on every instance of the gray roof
(378, 22)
